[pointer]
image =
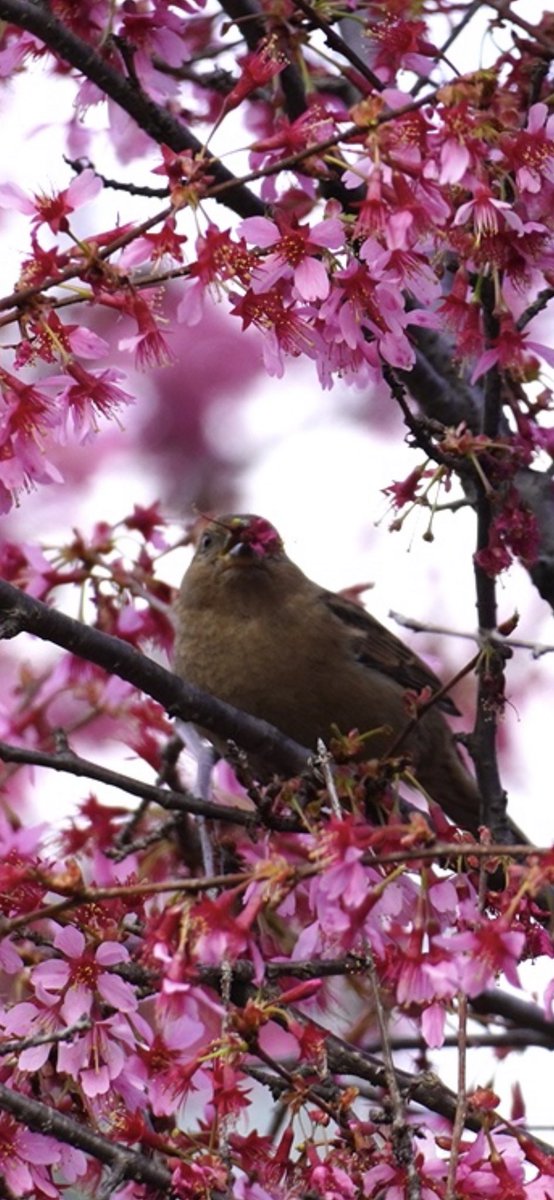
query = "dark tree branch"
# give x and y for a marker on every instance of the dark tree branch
(21, 613)
(42, 1119)
(149, 116)
(520, 1013)
(248, 18)
(539, 304)
(490, 690)
(436, 384)
(442, 393)
(132, 189)
(425, 1089)
(73, 764)
(522, 1016)
(338, 44)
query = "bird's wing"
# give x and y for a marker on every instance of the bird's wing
(376, 647)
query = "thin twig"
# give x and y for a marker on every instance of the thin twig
(17, 1045)
(86, 895)
(461, 1106)
(434, 699)
(462, 850)
(401, 1133)
(323, 761)
(73, 764)
(118, 185)
(537, 648)
(21, 296)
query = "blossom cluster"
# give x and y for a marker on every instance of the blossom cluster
(113, 573)
(367, 219)
(169, 1006)
(158, 1004)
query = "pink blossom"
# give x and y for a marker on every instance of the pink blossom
(481, 955)
(149, 345)
(486, 212)
(331, 1182)
(169, 1068)
(23, 1155)
(295, 248)
(87, 395)
(531, 152)
(53, 210)
(399, 264)
(22, 467)
(283, 137)
(79, 975)
(257, 68)
(285, 331)
(512, 350)
(397, 43)
(460, 149)
(424, 975)
(360, 303)
(98, 1057)
(219, 258)
(155, 34)
(203, 1175)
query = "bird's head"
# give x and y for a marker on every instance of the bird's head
(238, 541)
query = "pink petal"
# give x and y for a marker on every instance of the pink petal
(51, 975)
(70, 940)
(95, 1082)
(77, 1003)
(328, 233)
(117, 992)
(110, 953)
(311, 280)
(259, 230)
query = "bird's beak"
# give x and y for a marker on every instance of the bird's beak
(241, 550)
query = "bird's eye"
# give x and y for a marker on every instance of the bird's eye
(206, 541)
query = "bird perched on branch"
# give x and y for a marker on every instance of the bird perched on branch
(256, 632)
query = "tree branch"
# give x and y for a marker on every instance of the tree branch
(42, 1119)
(21, 613)
(73, 764)
(337, 43)
(490, 691)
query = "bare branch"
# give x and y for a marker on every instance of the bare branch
(482, 744)
(21, 613)
(461, 1107)
(73, 764)
(42, 1119)
(401, 1134)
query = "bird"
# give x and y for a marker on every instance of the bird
(255, 631)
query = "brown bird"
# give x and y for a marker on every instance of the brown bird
(256, 632)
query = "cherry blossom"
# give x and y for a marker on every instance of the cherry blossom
(80, 973)
(294, 251)
(24, 1157)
